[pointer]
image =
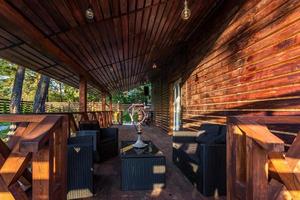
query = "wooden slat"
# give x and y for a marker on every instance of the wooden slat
(14, 118)
(286, 173)
(4, 192)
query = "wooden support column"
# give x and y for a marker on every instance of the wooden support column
(110, 103)
(82, 95)
(103, 102)
(111, 111)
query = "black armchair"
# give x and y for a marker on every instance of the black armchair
(201, 156)
(95, 134)
(80, 167)
(109, 143)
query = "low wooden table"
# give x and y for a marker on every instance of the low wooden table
(142, 169)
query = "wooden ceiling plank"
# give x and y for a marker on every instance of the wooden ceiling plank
(35, 52)
(139, 19)
(75, 39)
(39, 12)
(118, 34)
(20, 5)
(116, 12)
(15, 22)
(156, 17)
(98, 43)
(98, 54)
(57, 17)
(195, 7)
(65, 11)
(112, 40)
(18, 59)
(76, 12)
(132, 27)
(10, 37)
(105, 8)
(30, 56)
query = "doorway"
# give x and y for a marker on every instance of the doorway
(177, 105)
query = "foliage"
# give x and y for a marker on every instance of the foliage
(57, 90)
(3, 133)
(7, 75)
(60, 92)
(135, 95)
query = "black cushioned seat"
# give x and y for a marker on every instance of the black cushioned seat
(109, 143)
(96, 141)
(105, 142)
(89, 125)
(80, 167)
(201, 156)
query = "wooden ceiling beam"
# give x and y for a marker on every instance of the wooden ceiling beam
(15, 23)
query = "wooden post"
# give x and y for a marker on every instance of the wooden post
(103, 102)
(42, 174)
(82, 95)
(110, 103)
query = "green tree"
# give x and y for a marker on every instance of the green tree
(135, 95)
(7, 76)
(16, 96)
(41, 94)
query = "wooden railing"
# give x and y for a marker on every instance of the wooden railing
(258, 167)
(59, 107)
(35, 156)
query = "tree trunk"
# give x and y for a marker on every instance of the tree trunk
(60, 92)
(41, 94)
(16, 95)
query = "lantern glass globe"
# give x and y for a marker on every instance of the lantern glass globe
(186, 12)
(89, 14)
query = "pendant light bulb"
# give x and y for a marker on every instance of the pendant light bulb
(89, 14)
(186, 12)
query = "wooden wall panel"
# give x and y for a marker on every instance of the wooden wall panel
(160, 103)
(245, 60)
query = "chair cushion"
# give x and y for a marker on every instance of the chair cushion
(89, 125)
(94, 134)
(189, 148)
(108, 133)
(210, 128)
(214, 134)
(206, 138)
(108, 140)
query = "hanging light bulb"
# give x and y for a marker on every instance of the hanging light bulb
(186, 12)
(89, 13)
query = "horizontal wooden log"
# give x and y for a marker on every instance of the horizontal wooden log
(35, 141)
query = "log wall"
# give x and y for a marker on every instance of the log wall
(160, 99)
(244, 60)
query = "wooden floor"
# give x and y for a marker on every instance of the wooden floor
(108, 173)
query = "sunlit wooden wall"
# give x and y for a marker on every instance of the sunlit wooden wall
(245, 60)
